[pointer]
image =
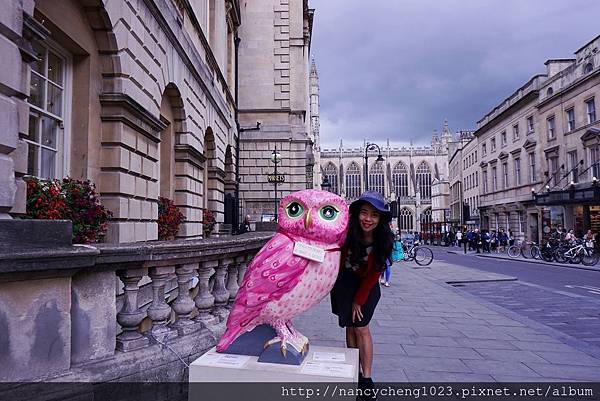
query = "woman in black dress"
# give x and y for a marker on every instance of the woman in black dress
(355, 295)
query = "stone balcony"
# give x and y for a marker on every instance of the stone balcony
(127, 312)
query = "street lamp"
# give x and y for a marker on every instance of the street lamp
(325, 185)
(371, 146)
(276, 158)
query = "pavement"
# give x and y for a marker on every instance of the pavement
(504, 256)
(427, 330)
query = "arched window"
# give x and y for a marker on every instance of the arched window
(424, 180)
(353, 181)
(376, 178)
(549, 92)
(330, 172)
(588, 68)
(405, 219)
(400, 180)
(426, 218)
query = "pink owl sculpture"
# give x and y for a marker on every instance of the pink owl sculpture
(279, 283)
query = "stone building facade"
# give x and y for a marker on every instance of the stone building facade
(135, 95)
(463, 181)
(406, 176)
(539, 151)
(141, 97)
(274, 93)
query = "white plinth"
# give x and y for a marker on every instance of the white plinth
(322, 364)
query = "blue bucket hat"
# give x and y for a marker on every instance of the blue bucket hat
(376, 200)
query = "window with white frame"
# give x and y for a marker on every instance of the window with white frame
(515, 132)
(47, 138)
(405, 219)
(494, 179)
(331, 173)
(530, 127)
(590, 106)
(483, 149)
(518, 171)
(376, 177)
(484, 178)
(424, 180)
(504, 175)
(493, 144)
(353, 181)
(570, 119)
(573, 166)
(503, 138)
(595, 161)
(532, 172)
(551, 127)
(553, 166)
(400, 180)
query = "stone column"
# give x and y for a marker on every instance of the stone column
(232, 277)
(219, 291)
(243, 269)
(130, 316)
(184, 305)
(205, 299)
(159, 311)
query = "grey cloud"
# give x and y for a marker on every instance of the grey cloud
(396, 69)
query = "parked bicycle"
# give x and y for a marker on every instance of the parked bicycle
(576, 252)
(526, 249)
(422, 255)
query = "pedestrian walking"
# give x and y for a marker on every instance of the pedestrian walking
(477, 240)
(459, 238)
(485, 240)
(364, 256)
(511, 238)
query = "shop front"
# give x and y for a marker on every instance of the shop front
(577, 209)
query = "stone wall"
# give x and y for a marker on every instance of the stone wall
(98, 314)
(274, 93)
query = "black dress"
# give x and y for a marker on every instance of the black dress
(345, 288)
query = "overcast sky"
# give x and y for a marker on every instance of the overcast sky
(397, 68)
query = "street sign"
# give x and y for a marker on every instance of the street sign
(272, 178)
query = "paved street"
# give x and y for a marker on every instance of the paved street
(427, 330)
(561, 278)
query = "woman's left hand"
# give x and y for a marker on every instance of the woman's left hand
(356, 312)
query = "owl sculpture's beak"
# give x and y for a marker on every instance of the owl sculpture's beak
(307, 220)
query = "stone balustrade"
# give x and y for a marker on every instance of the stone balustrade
(124, 312)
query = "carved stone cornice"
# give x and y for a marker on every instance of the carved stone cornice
(119, 107)
(187, 153)
(529, 143)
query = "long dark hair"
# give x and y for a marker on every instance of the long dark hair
(383, 241)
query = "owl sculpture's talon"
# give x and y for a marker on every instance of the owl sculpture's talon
(283, 350)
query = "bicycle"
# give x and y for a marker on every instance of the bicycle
(526, 249)
(422, 255)
(576, 253)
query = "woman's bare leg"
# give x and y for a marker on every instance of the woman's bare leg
(365, 349)
(351, 338)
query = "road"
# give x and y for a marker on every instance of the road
(576, 281)
(563, 298)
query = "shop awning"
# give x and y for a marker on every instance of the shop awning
(583, 196)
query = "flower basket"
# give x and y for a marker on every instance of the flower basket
(69, 199)
(170, 219)
(208, 222)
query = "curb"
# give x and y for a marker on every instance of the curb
(535, 261)
(541, 262)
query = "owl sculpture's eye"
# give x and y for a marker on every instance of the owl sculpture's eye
(294, 209)
(329, 213)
